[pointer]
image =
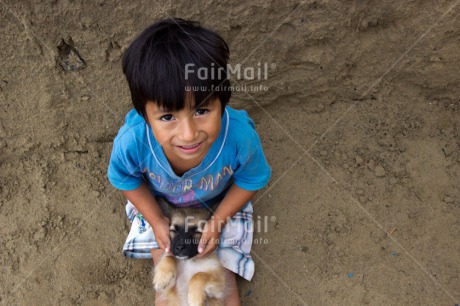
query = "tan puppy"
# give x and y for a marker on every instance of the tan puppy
(181, 278)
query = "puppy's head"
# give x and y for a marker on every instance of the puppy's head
(186, 227)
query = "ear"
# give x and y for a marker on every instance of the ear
(165, 206)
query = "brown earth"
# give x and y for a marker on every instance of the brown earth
(360, 123)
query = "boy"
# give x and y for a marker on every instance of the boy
(183, 143)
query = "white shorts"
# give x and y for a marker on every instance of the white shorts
(234, 246)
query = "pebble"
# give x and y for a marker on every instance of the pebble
(448, 199)
(85, 98)
(2, 131)
(379, 171)
(359, 160)
(39, 234)
(60, 220)
(393, 181)
(370, 164)
(359, 192)
(69, 59)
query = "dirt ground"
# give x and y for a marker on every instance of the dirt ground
(359, 118)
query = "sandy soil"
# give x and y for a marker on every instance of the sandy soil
(360, 123)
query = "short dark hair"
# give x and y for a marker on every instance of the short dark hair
(154, 65)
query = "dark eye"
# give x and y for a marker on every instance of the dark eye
(192, 229)
(201, 111)
(167, 117)
(175, 229)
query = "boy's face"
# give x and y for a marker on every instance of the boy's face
(185, 135)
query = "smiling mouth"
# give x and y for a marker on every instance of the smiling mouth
(190, 149)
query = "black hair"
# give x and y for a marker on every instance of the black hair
(155, 66)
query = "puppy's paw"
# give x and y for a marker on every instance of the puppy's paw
(214, 290)
(196, 298)
(164, 280)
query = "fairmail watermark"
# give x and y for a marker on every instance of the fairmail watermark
(249, 73)
(233, 88)
(257, 224)
(257, 73)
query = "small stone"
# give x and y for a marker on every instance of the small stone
(371, 164)
(60, 221)
(85, 98)
(319, 108)
(379, 171)
(69, 59)
(103, 297)
(359, 192)
(448, 199)
(2, 131)
(449, 149)
(392, 181)
(359, 160)
(39, 234)
(113, 52)
(434, 59)
(303, 249)
(372, 23)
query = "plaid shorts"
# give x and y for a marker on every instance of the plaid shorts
(234, 246)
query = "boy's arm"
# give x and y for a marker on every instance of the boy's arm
(145, 202)
(233, 201)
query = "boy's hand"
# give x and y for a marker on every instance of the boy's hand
(161, 231)
(209, 239)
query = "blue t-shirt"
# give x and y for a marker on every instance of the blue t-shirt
(236, 157)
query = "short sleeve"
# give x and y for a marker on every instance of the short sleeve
(124, 172)
(252, 172)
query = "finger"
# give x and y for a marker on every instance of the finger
(167, 248)
(202, 246)
(160, 244)
(164, 245)
(209, 248)
(204, 242)
(167, 245)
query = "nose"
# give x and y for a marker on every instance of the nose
(179, 248)
(188, 130)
